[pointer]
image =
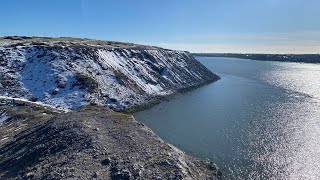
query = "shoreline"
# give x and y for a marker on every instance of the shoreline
(294, 58)
(158, 99)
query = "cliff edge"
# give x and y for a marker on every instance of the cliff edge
(67, 73)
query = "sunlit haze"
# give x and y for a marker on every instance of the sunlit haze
(248, 26)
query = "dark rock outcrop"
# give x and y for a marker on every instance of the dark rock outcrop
(90, 144)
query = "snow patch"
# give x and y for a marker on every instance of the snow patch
(3, 116)
(67, 77)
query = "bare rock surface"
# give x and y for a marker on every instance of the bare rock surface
(92, 143)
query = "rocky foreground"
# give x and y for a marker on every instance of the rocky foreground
(92, 143)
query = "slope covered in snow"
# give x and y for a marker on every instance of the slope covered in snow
(67, 73)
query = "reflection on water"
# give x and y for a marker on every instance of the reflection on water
(260, 121)
(298, 77)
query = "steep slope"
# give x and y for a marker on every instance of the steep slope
(67, 73)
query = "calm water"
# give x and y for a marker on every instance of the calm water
(260, 121)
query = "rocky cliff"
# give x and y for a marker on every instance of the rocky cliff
(67, 73)
(42, 78)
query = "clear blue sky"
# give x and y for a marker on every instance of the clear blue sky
(198, 25)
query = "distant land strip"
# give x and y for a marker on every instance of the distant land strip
(305, 58)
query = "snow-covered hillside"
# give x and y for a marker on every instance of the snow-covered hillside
(67, 73)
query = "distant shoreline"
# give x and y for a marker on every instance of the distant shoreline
(301, 58)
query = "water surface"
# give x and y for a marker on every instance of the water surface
(260, 121)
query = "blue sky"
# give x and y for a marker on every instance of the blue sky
(265, 26)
